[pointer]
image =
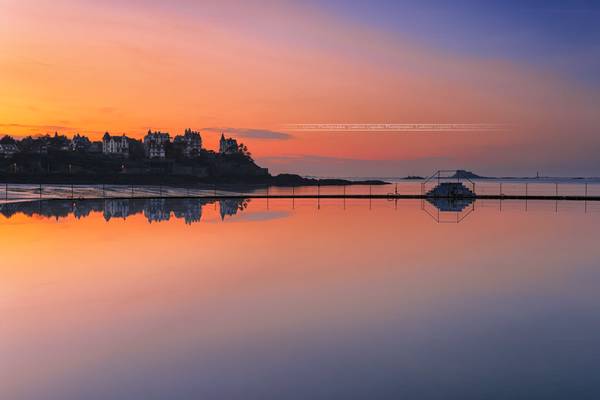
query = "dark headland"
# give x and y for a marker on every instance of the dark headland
(154, 160)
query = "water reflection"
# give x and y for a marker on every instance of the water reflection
(312, 304)
(448, 210)
(451, 204)
(190, 210)
(154, 210)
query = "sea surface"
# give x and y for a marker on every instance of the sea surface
(299, 299)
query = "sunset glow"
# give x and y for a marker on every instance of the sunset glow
(299, 199)
(124, 67)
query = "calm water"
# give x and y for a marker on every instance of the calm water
(282, 299)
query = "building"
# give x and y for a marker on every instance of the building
(190, 143)
(80, 143)
(155, 144)
(95, 148)
(155, 149)
(228, 145)
(37, 145)
(115, 145)
(8, 149)
(59, 142)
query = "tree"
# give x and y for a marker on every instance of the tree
(136, 150)
(59, 142)
(243, 150)
(8, 140)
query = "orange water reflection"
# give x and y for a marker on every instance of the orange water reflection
(270, 298)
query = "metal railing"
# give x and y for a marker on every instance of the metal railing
(491, 188)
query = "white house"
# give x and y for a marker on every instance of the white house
(228, 145)
(155, 144)
(8, 149)
(190, 142)
(115, 145)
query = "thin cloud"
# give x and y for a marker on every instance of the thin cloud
(33, 130)
(252, 133)
(37, 127)
(312, 165)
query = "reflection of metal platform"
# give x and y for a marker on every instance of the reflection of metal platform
(449, 200)
(448, 210)
(445, 204)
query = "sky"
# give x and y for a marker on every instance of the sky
(253, 68)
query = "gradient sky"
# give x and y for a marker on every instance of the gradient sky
(253, 67)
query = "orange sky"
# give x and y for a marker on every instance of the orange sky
(89, 67)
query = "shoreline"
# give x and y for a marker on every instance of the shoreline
(282, 180)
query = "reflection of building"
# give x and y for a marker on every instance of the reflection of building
(190, 143)
(228, 145)
(82, 209)
(115, 145)
(116, 209)
(190, 211)
(155, 144)
(155, 210)
(228, 207)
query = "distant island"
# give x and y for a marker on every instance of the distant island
(155, 159)
(462, 174)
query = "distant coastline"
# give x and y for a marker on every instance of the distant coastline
(159, 159)
(463, 174)
(283, 180)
